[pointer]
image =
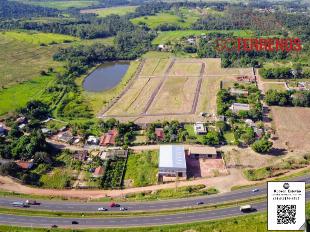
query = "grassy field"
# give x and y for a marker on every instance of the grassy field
(276, 86)
(22, 61)
(98, 100)
(137, 165)
(103, 12)
(18, 95)
(39, 38)
(165, 17)
(62, 5)
(58, 179)
(173, 36)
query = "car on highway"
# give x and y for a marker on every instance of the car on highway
(255, 190)
(75, 222)
(19, 204)
(200, 203)
(113, 204)
(102, 209)
(32, 202)
(123, 209)
(54, 226)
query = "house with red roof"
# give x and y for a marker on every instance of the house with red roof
(108, 139)
(25, 164)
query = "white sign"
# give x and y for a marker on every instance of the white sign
(286, 205)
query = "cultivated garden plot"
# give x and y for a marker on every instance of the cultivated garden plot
(178, 89)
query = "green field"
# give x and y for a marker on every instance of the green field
(137, 165)
(162, 18)
(22, 61)
(39, 38)
(103, 12)
(172, 36)
(18, 95)
(62, 5)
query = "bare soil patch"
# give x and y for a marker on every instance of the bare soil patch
(292, 126)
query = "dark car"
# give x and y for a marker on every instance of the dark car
(54, 226)
(200, 203)
(75, 222)
(113, 204)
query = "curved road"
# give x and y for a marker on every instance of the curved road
(150, 205)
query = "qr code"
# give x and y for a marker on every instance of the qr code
(286, 214)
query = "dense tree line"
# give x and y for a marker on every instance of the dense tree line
(285, 72)
(288, 98)
(13, 10)
(128, 45)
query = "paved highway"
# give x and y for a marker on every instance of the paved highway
(148, 206)
(129, 221)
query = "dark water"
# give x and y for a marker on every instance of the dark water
(105, 76)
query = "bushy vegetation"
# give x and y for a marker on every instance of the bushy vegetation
(142, 168)
(114, 173)
(288, 98)
(14, 9)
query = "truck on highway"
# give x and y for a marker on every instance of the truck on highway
(246, 208)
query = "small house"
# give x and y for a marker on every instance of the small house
(99, 172)
(238, 92)
(46, 131)
(81, 155)
(249, 122)
(21, 120)
(65, 137)
(172, 161)
(236, 107)
(200, 128)
(113, 153)
(160, 134)
(108, 139)
(92, 140)
(202, 152)
(25, 164)
(259, 132)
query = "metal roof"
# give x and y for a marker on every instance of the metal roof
(172, 156)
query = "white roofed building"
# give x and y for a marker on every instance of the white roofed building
(172, 161)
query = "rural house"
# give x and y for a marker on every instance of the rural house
(160, 134)
(108, 139)
(113, 153)
(236, 107)
(202, 152)
(81, 155)
(238, 92)
(25, 164)
(99, 172)
(200, 128)
(171, 162)
(65, 137)
(92, 140)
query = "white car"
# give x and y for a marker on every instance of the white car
(122, 208)
(102, 209)
(255, 190)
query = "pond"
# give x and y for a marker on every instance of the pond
(106, 76)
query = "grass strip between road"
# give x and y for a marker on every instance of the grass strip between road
(207, 207)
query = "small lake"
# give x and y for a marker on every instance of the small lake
(106, 76)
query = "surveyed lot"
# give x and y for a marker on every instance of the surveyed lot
(293, 127)
(171, 88)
